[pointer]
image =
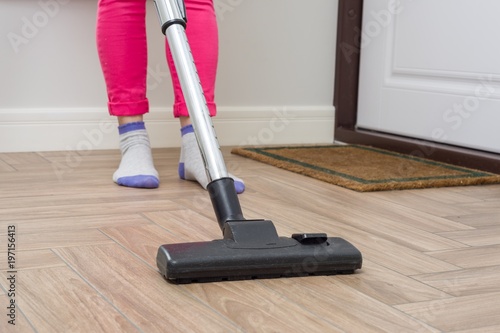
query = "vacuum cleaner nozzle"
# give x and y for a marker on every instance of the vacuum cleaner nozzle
(227, 259)
(252, 249)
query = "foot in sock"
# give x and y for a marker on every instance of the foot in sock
(191, 166)
(136, 167)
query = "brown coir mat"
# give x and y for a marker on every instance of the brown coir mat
(364, 169)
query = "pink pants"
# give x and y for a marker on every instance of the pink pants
(122, 48)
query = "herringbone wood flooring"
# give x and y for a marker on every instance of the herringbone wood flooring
(85, 252)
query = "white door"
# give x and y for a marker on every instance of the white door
(430, 69)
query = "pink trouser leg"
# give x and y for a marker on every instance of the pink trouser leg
(202, 34)
(122, 48)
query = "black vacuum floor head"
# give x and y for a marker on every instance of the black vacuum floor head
(225, 259)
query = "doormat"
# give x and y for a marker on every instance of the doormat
(364, 169)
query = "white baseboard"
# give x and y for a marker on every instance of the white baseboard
(23, 130)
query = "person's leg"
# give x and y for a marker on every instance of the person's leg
(122, 48)
(202, 34)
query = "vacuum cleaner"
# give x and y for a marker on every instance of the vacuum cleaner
(249, 249)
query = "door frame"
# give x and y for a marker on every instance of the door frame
(350, 13)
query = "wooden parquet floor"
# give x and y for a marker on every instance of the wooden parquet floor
(85, 252)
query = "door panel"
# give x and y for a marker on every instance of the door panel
(430, 69)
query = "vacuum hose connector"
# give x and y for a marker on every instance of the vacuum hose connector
(225, 201)
(171, 12)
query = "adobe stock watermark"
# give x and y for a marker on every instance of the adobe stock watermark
(266, 135)
(156, 76)
(435, 308)
(455, 116)
(453, 119)
(226, 6)
(74, 155)
(281, 119)
(33, 25)
(378, 22)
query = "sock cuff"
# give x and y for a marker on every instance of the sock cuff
(187, 129)
(125, 128)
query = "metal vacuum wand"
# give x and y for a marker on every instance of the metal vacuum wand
(172, 15)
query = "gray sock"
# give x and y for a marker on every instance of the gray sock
(191, 166)
(136, 167)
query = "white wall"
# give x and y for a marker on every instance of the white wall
(275, 82)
